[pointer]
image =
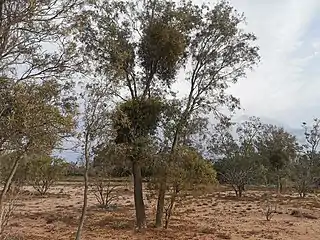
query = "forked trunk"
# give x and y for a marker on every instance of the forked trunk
(169, 210)
(235, 189)
(138, 196)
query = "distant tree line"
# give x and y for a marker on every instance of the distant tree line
(265, 154)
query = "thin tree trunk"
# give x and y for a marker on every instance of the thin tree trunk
(86, 187)
(235, 190)
(169, 212)
(160, 204)
(163, 184)
(278, 185)
(138, 196)
(6, 188)
(240, 191)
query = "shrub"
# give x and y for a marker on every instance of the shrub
(270, 207)
(44, 171)
(104, 191)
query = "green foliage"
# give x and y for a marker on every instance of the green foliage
(37, 116)
(305, 170)
(302, 175)
(187, 168)
(35, 113)
(166, 36)
(236, 158)
(6, 161)
(277, 149)
(43, 171)
(263, 153)
(136, 118)
(277, 146)
(162, 47)
(278, 160)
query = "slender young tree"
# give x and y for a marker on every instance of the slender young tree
(94, 122)
(220, 53)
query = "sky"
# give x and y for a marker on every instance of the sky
(285, 86)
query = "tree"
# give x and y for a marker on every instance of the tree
(219, 54)
(34, 56)
(188, 171)
(20, 177)
(305, 170)
(104, 164)
(27, 28)
(38, 117)
(277, 149)
(236, 158)
(43, 171)
(92, 132)
(310, 148)
(301, 174)
(134, 122)
(140, 47)
(312, 136)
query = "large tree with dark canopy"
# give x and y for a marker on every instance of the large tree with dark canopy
(141, 46)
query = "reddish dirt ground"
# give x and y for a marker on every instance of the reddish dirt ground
(218, 215)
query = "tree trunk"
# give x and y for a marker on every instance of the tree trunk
(160, 204)
(278, 185)
(85, 191)
(6, 188)
(240, 188)
(163, 186)
(303, 190)
(138, 196)
(170, 208)
(235, 190)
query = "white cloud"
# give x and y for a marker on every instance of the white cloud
(277, 87)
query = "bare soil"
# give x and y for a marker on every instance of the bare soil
(218, 215)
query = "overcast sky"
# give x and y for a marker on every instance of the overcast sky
(285, 86)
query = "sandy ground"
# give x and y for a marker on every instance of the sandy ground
(218, 215)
